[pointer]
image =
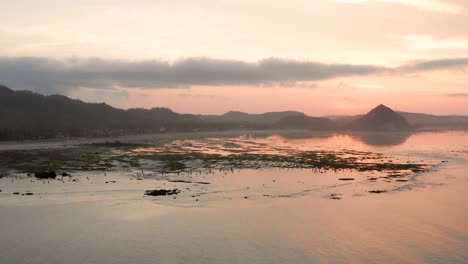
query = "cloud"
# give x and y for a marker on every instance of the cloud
(292, 84)
(67, 76)
(437, 64)
(58, 76)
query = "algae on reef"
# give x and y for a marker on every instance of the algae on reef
(126, 156)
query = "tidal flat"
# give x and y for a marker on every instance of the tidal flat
(229, 198)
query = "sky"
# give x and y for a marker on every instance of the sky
(327, 57)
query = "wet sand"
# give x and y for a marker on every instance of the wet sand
(248, 216)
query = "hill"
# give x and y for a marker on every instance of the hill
(26, 115)
(381, 118)
(305, 122)
(426, 121)
(264, 119)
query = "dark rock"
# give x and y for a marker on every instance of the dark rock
(46, 175)
(29, 193)
(346, 179)
(64, 174)
(202, 182)
(377, 191)
(181, 181)
(162, 192)
(16, 193)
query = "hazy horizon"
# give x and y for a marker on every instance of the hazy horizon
(257, 113)
(335, 57)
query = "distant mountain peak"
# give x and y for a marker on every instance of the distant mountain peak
(381, 107)
(381, 118)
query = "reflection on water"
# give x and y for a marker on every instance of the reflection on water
(446, 140)
(278, 143)
(368, 138)
(231, 221)
(382, 139)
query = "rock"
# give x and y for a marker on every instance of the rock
(346, 179)
(46, 175)
(16, 193)
(202, 182)
(377, 191)
(335, 196)
(162, 192)
(29, 193)
(64, 174)
(181, 181)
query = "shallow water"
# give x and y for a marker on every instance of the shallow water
(268, 215)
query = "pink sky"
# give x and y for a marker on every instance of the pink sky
(52, 46)
(435, 92)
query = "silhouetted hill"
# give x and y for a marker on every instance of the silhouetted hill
(381, 118)
(5, 90)
(305, 122)
(416, 120)
(28, 115)
(426, 121)
(269, 118)
(25, 114)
